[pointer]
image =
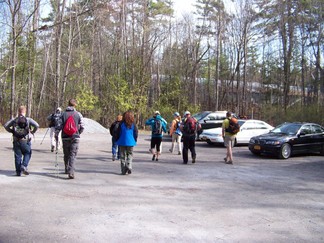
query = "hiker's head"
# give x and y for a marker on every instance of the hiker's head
(128, 118)
(58, 110)
(119, 118)
(228, 114)
(22, 110)
(176, 114)
(186, 114)
(72, 102)
(156, 113)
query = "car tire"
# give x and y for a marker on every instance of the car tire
(285, 151)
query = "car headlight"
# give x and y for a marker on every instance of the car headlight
(272, 142)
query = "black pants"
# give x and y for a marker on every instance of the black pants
(156, 143)
(188, 144)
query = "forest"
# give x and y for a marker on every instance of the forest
(259, 58)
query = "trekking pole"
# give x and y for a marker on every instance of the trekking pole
(45, 135)
(57, 169)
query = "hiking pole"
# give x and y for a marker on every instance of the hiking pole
(45, 135)
(57, 169)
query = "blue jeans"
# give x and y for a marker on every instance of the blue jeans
(23, 152)
(114, 148)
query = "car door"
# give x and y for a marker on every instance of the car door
(317, 137)
(304, 141)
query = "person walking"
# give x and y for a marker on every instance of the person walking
(113, 132)
(71, 126)
(21, 128)
(229, 138)
(158, 126)
(126, 140)
(54, 122)
(176, 133)
(189, 129)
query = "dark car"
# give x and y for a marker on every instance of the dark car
(288, 139)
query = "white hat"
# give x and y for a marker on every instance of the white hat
(157, 113)
(59, 109)
(187, 113)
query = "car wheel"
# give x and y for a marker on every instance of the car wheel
(285, 151)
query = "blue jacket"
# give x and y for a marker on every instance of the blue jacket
(127, 136)
(150, 122)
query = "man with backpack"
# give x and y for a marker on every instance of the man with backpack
(54, 123)
(175, 132)
(158, 126)
(21, 127)
(189, 127)
(72, 126)
(229, 129)
(114, 137)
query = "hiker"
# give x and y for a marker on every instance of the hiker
(229, 137)
(71, 126)
(21, 128)
(176, 133)
(189, 129)
(158, 126)
(54, 123)
(126, 140)
(113, 132)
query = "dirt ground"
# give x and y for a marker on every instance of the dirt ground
(258, 199)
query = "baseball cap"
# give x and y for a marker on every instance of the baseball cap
(187, 113)
(156, 113)
(176, 114)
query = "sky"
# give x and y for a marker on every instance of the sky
(183, 6)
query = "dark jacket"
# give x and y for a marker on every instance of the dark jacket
(32, 124)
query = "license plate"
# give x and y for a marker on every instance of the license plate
(257, 147)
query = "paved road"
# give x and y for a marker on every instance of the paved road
(258, 199)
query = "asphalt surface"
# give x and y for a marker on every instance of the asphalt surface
(258, 199)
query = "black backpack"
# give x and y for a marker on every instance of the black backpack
(157, 127)
(56, 120)
(21, 127)
(234, 126)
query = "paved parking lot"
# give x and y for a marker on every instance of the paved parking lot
(258, 199)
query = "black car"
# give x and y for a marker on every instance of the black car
(290, 138)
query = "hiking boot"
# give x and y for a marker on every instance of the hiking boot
(129, 171)
(156, 159)
(179, 153)
(113, 158)
(230, 162)
(225, 160)
(153, 158)
(71, 176)
(193, 160)
(24, 171)
(18, 174)
(170, 150)
(52, 148)
(124, 171)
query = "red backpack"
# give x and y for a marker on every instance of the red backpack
(70, 127)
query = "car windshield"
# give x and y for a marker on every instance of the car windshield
(200, 115)
(287, 128)
(241, 123)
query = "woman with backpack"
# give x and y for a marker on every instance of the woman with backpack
(158, 126)
(176, 133)
(126, 140)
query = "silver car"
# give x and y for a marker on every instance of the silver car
(248, 129)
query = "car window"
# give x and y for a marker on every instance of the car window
(306, 129)
(261, 125)
(287, 128)
(316, 129)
